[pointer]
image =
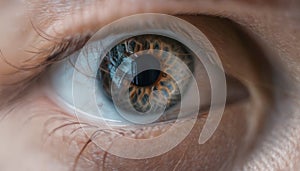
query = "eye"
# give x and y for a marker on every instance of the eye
(105, 83)
(142, 74)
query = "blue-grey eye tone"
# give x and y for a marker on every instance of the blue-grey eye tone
(151, 50)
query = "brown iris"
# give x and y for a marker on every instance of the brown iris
(150, 50)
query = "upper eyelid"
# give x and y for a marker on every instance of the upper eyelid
(76, 17)
(65, 6)
(70, 19)
(67, 34)
(73, 34)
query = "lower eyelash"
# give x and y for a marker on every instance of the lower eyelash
(88, 147)
(75, 127)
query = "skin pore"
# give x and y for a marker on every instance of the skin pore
(259, 133)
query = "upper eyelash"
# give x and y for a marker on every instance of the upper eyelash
(61, 50)
(63, 47)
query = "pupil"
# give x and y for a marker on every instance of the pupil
(146, 77)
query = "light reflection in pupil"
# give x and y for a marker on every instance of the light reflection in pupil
(148, 76)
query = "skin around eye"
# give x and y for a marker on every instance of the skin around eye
(193, 152)
(235, 136)
(65, 140)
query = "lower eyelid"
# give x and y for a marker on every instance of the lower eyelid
(83, 137)
(63, 138)
(93, 156)
(86, 146)
(63, 129)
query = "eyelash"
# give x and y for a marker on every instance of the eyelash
(88, 140)
(61, 49)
